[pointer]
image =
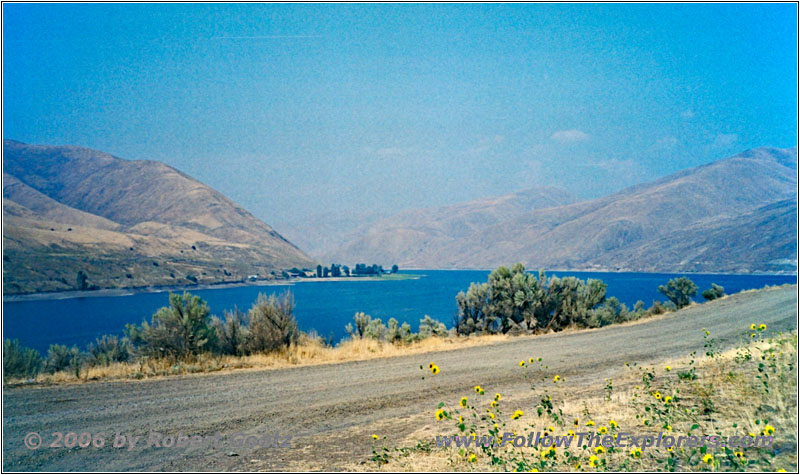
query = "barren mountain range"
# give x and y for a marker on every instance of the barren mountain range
(124, 223)
(70, 212)
(736, 215)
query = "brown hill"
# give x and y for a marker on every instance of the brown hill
(699, 219)
(124, 223)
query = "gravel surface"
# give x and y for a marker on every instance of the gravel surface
(330, 410)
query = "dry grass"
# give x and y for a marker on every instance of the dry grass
(308, 352)
(727, 391)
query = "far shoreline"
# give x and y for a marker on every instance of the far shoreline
(121, 292)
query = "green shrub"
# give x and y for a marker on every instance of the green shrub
(178, 331)
(272, 323)
(430, 327)
(679, 291)
(715, 292)
(610, 312)
(61, 358)
(375, 329)
(233, 333)
(20, 361)
(109, 349)
(361, 320)
(514, 299)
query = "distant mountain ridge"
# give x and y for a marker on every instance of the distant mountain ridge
(410, 231)
(697, 220)
(124, 223)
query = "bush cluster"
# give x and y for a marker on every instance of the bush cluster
(393, 332)
(515, 301)
(178, 332)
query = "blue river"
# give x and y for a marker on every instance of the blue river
(324, 306)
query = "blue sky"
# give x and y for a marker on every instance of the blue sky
(311, 111)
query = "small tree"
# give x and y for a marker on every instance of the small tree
(679, 291)
(82, 280)
(395, 269)
(715, 292)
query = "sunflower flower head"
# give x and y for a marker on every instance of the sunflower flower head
(463, 402)
(439, 415)
(613, 424)
(762, 327)
(517, 414)
(594, 461)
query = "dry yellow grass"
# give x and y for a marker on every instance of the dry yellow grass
(307, 352)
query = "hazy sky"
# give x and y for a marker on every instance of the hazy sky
(299, 110)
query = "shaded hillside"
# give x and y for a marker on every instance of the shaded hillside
(124, 223)
(699, 219)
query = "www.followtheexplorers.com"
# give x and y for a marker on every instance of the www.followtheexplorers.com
(591, 439)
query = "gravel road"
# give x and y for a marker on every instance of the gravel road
(330, 410)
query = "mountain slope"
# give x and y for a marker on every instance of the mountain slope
(712, 206)
(411, 232)
(124, 223)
